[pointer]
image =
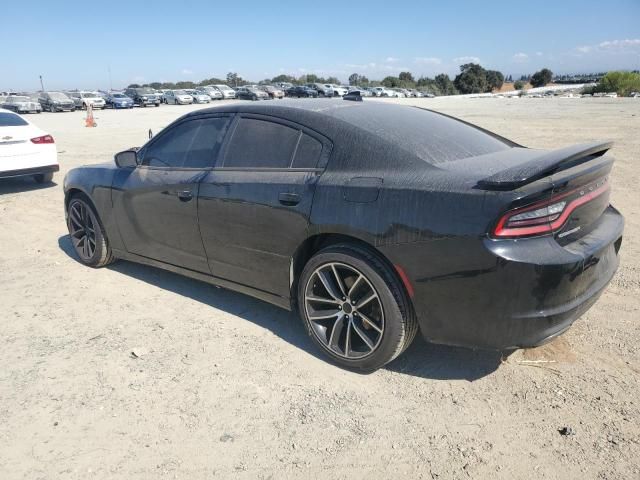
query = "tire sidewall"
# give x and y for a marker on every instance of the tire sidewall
(394, 331)
(100, 239)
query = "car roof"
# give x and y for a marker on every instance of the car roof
(428, 135)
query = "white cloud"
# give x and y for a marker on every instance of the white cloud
(621, 44)
(466, 59)
(391, 60)
(186, 71)
(138, 79)
(520, 57)
(427, 61)
(612, 46)
(538, 54)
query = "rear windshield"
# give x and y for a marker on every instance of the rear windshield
(430, 136)
(11, 120)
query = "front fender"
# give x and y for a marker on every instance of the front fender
(95, 182)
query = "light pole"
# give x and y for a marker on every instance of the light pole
(41, 84)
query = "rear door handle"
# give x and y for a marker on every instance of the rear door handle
(289, 199)
(185, 195)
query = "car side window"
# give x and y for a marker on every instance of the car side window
(308, 152)
(261, 144)
(191, 144)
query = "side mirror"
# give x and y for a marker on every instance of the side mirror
(126, 159)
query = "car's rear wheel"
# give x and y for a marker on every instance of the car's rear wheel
(44, 177)
(87, 233)
(354, 307)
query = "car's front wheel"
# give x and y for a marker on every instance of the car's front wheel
(354, 307)
(87, 234)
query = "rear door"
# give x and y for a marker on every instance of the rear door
(156, 203)
(254, 207)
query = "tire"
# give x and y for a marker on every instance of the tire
(80, 210)
(390, 325)
(43, 177)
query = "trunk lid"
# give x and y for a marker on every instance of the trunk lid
(563, 192)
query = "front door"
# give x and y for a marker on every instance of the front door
(156, 204)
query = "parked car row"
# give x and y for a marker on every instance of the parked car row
(58, 101)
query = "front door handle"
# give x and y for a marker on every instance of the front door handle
(185, 195)
(289, 199)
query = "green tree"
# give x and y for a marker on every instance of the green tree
(518, 84)
(391, 82)
(495, 79)
(406, 77)
(541, 78)
(354, 79)
(283, 78)
(234, 80)
(623, 83)
(445, 85)
(471, 79)
(333, 80)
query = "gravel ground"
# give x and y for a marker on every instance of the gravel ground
(225, 386)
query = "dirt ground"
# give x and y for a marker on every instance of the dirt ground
(225, 386)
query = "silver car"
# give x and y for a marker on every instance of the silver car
(21, 104)
(213, 92)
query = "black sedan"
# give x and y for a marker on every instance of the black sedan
(301, 91)
(373, 221)
(251, 93)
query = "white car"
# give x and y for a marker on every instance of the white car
(383, 92)
(213, 92)
(199, 96)
(84, 99)
(25, 150)
(337, 90)
(227, 92)
(21, 104)
(178, 97)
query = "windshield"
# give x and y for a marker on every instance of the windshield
(58, 96)
(17, 99)
(180, 92)
(223, 88)
(89, 95)
(118, 95)
(11, 120)
(145, 91)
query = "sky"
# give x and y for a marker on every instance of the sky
(92, 45)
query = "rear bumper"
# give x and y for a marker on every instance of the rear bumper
(501, 294)
(29, 171)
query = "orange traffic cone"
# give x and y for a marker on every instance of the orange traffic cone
(89, 121)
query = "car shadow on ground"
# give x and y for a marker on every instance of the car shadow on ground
(22, 184)
(421, 359)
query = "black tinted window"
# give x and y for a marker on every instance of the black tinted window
(11, 120)
(192, 144)
(307, 153)
(261, 144)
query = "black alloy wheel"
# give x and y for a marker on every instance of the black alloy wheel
(355, 308)
(87, 234)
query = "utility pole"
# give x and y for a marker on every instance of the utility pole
(110, 82)
(41, 84)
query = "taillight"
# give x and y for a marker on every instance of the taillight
(548, 216)
(43, 139)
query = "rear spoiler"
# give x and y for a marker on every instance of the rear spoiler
(544, 165)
